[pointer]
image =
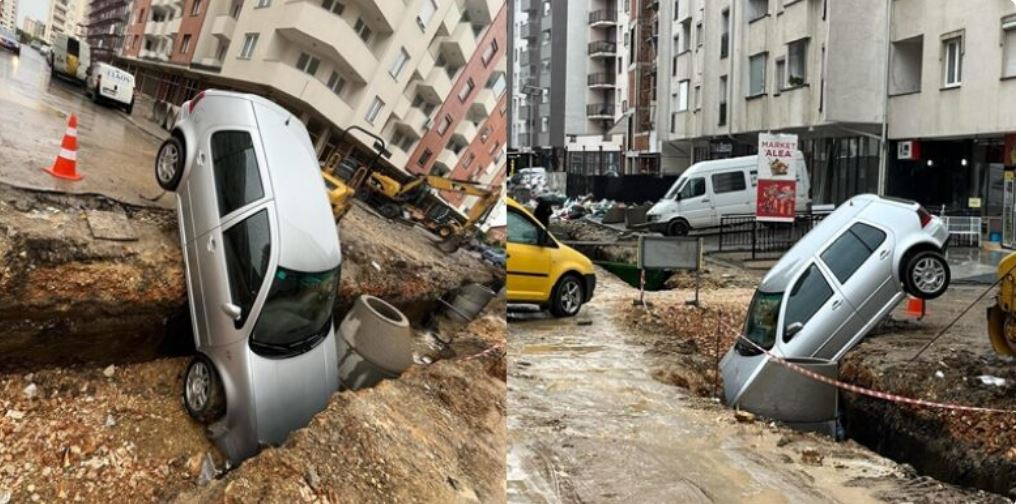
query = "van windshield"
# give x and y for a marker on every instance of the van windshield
(297, 313)
(675, 188)
(761, 325)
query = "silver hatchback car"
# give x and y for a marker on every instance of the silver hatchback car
(828, 291)
(263, 265)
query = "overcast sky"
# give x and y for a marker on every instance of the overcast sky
(32, 8)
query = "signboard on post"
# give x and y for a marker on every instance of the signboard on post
(678, 253)
(776, 193)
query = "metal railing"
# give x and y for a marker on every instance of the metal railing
(602, 16)
(595, 79)
(602, 46)
(743, 233)
(599, 109)
(965, 231)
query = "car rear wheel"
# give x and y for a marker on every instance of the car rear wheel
(203, 391)
(927, 275)
(170, 164)
(677, 228)
(568, 296)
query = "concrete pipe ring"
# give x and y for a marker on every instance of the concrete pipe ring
(374, 343)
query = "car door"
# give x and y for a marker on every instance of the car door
(729, 193)
(861, 260)
(825, 317)
(528, 261)
(695, 204)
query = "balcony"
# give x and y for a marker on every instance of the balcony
(482, 12)
(484, 104)
(465, 132)
(414, 122)
(602, 80)
(436, 85)
(458, 47)
(223, 27)
(603, 18)
(293, 82)
(163, 28)
(450, 22)
(599, 111)
(386, 14)
(602, 49)
(530, 30)
(306, 24)
(446, 161)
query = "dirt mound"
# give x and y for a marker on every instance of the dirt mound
(435, 435)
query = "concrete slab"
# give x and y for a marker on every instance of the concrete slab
(113, 226)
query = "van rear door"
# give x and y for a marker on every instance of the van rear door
(730, 193)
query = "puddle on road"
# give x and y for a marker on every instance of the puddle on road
(551, 348)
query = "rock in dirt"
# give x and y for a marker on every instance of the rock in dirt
(744, 416)
(811, 456)
(31, 391)
(109, 371)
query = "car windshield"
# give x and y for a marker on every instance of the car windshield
(760, 328)
(297, 312)
(675, 189)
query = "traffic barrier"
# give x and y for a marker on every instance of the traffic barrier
(915, 308)
(65, 166)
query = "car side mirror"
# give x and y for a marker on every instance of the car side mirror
(232, 310)
(793, 329)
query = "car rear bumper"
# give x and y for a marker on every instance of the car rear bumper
(590, 286)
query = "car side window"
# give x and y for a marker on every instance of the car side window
(246, 249)
(521, 230)
(851, 249)
(235, 170)
(694, 187)
(728, 182)
(809, 293)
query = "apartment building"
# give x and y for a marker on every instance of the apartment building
(951, 104)
(34, 27)
(570, 83)
(389, 67)
(9, 15)
(67, 16)
(105, 26)
(642, 140)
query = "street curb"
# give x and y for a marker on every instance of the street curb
(142, 127)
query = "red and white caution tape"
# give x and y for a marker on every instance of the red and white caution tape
(869, 392)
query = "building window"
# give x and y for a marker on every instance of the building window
(308, 64)
(444, 125)
(185, 43)
(399, 63)
(374, 108)
(424, 158)
(682, 96)
(780, 75)
(336, 83)
(490, 51)
(757, 9)
(906, 66)
(544, 126)
(546, 37)
(723, 101)
(545, 95)
(698, 97)
(952, 53)
(725, 34)
(261, 3)
(363, 30)
(1009, 49)
(677, 9)
(402, 141)
(248, 47)
(797, 54)
(546, 8)
(425, 14)
(698, 35)
(196, 7)
(484, 135)
(757, 74)
(334, 6)
(686, 35)
(141, 15)
(466, 89)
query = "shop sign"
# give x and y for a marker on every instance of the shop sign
(776, 191)
(974, 202)
(909, 150)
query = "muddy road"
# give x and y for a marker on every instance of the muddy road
(588, 422)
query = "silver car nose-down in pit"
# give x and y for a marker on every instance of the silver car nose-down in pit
(823, 296)
(262, 260)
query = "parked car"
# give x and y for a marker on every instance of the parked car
(10, 42)
(107, 83)
(829, 290)
(708, 190)
(70, 58)
(262, 261)
(494, 256)
(543, 271)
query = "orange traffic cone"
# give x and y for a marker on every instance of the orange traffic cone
(916, 307)
(65, 166)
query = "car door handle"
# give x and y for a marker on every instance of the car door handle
(705, 200)
(884, 254)
(836, 304)
(211, 245)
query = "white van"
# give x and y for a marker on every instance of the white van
(109, 83)
(70, 58)
(711, 189)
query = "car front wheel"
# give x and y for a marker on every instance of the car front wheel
(568, 296)
(927, 275)
(203, 391)
(170, 164)
(677, 228)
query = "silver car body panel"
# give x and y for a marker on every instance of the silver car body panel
(856, 306)
(266, 398)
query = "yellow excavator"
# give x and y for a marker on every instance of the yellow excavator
(391, 198)
(1001, 316)
(342, 192)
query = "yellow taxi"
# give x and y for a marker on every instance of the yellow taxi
(543, 271)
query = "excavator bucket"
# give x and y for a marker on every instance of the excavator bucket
(998, 331)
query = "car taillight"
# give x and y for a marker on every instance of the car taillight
(923, 216)
(195, 101)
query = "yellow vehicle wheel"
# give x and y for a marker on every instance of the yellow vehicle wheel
(1001, 330)
(445, 231)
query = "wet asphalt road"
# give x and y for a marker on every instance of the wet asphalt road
(588, 423)
(114, 156)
